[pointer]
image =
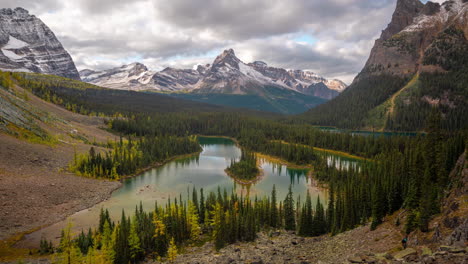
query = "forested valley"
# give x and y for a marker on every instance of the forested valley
(397, 172)
(410, 173)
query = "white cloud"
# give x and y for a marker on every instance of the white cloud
(181, 33)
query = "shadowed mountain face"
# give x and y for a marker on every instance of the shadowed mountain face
(28, 45)
(418, 64)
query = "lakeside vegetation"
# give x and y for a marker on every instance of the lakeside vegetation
(410, 173)
(126, 157)
(400, 172)
(246, 168)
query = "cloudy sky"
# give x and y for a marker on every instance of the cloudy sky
(332, 38)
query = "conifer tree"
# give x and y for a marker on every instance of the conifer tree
(218, 225)
(135, 250)
(306, 226)
(69, 253)
(330, 209)
(289, 212)
(159, 233)
(273, 209)
(107, 247)
(320, 225)
(194, 224)
(202, 207)
(172, 251)
(378, 206)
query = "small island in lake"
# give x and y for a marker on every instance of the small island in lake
(246, 169)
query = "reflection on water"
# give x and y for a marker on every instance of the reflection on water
(178, 177)
(368, 133)
(341, 163)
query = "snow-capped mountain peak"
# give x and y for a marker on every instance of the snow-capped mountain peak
(227, 74)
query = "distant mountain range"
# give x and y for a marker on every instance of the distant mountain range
(226, 75)
(28, 45)
(418, 65)
(227, 81)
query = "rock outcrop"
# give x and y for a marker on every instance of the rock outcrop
(28, 45)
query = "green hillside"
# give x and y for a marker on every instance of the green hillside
(274, 100)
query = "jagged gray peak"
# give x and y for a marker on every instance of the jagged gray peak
(404, 14)
(136, 76)
(175, 79)
(27, 44)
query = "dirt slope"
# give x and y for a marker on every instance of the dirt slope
(35, 188)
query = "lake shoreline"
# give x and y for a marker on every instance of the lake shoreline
(26, 239)
(12, 241)
(157, 165)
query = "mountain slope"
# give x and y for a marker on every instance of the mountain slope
(273, 99)
(38, 140)
(87, 98)
(28, 45)
(425, 44)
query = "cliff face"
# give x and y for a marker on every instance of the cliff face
(401, 48)
(28, 45)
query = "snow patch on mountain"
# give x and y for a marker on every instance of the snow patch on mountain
(13, 44)
(453, 9)
(249, 71)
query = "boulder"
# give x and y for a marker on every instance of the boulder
(426, 251)
(355, 260)
(457, 250)
(404, 253)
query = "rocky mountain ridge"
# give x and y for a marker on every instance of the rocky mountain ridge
(227, 74)
(414, 27)
(28, 45)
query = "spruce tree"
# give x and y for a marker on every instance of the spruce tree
(289, 212)
(306, 226)
(330, 209)
(202, 207)
(273, 209)
(320, 225)
(378, 206)
(134, 244)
